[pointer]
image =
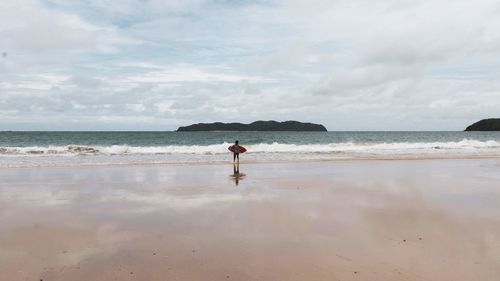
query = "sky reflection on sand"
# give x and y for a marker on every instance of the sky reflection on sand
(418, 220)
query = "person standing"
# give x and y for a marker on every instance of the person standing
(236, 151)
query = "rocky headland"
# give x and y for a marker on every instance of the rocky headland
(255, 126)
(492, 124)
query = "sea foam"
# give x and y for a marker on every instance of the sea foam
(466, 146)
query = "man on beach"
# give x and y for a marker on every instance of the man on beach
(236, 151)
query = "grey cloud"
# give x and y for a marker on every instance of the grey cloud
(348, 64)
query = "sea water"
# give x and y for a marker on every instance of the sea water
(20, 149)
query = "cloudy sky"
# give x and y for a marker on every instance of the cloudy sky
(158, 64)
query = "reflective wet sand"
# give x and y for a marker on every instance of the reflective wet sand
(344, 220)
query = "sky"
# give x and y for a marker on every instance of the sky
(160, 64)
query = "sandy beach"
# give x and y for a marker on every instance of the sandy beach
(330, 220)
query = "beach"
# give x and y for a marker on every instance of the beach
(298, 220)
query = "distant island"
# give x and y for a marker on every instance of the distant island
(255, 126)
(492, 124)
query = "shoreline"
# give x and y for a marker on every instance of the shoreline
(411, 157)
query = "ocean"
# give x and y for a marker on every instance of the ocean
(29, 149)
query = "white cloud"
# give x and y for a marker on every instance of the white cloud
(186, 73)
(28, 26)
(348, 64)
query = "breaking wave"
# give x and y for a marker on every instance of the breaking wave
(465, 146)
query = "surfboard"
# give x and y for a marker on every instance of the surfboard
(242, 149)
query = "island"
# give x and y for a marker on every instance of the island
(255, 126)
(491, 124)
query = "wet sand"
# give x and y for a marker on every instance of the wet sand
(340, 220)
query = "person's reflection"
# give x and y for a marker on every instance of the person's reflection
(237, 176)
